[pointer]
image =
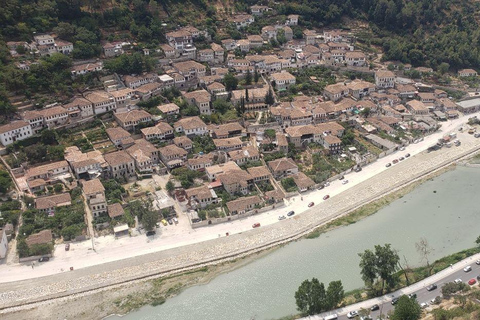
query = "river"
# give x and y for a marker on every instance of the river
(444, 211)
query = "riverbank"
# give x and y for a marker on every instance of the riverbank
(227, 248)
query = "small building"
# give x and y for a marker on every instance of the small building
(191, 126)
(467, 73)
(15, 131)
(243, 205)
(49, 203)
(115, 210)
(384, 79)
(283, 80)
(42, 237)
(282, 167)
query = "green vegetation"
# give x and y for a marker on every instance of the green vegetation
(113, 191)
(378, 268)
(186, 176)
(67, 221)
(5, 181)
(130, 64)
(311, 297)
(406, 309)
(289, 184)
(203, 144)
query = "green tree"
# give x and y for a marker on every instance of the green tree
(58, 188)
(270, 133)
(406, 309)
(22, 248)
(48, 137)
(170, 186)
(269, 99)
(478, 241)
(443, 67)
(221, 105)
(310, 297)
(149, 219)
(248, 78)
(335, 294)
(256, 76)
(5, 181)
(230, 82)
(368, 267)
(381, 264)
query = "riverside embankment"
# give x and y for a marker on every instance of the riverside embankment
(222, 249)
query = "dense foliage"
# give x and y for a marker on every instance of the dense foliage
(311, 297)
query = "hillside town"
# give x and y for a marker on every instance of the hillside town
(214, 133)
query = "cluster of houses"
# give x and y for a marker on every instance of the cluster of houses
(147, 144)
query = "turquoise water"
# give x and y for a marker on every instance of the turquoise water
(448, 218)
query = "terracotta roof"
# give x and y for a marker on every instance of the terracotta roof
(115, 210)
(282, 76)
(302, 180)
(172, 150)
(228, 142)
(58, 200)
(44, 236)
(117, 133)
(187, 66)
(35, 171)
(132, 116)
(417, 105)
(332, 139)
(169, 107)
(282, 164)
(98, 96)
(258, 172)
(190, 123)
(182, 140)
(92, 187)
(13, 126)
(275, 194)
(245, 152)
(384, 74)
(225, 129)
(200, 96)
(117, 158)
(202, 192)
(235, 177)
(241, 204)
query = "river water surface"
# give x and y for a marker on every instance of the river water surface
(445, 211)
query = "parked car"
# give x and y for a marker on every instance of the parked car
(472, 282)
(150, 233)
(321, 187)
(407, 155)
(412, 295)
(436, 300)
(432, 287)
(395, 300)
(291, 213)
(395, 161)
(43, 259)
(467, 269)
(375, 307)
(352, 314)
(341, 178)
(365, 318)
(477, 262)
(281, 218)
(457, 281)
(388, 165)
(423, 305)
(326, 197)
(402, 148)
(344, 181)
(327, 184)
(311, 204)
(256, 225)
(401, 158)
(170, 221)
(164, 222)
(67, 247)
(358, 169)
(175, 220)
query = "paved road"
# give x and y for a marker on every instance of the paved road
(423, 295)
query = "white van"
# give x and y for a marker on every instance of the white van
(331, 317)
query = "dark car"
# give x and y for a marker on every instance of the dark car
(170, 221)
(407, 155)
(432, 287)
(321, 187)
(341, 178)
(150, 233)
(311, 204)
(358, 169)
(43, 259)
(375, 307)
(326, 197)
(291, 213)
(388, 165)
(394, 301)
(412, 296)
(67, 246)
(401, 158)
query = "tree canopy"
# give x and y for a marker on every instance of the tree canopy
(379, 267)
(311, 297)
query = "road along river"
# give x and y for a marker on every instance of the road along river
(444, 211)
